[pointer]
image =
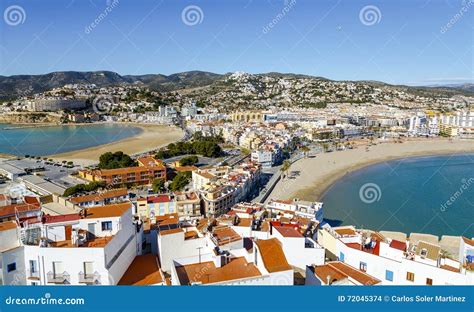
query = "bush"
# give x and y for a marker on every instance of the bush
(92, 186)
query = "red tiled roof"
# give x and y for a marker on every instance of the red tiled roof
(144, 270)
(99, 196)
(172, 231)
(61, 218)
(10, 210)
(286, 231)
(468, 241)
(354, 245)
(9, 225)
(398, 245)
(159, 199)
(272, 254)
(339, 270)
(31, 200)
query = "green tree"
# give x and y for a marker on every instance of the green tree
(180, 181)
(189, 160)
(158, 185)
(285, 167)
(115, 160)
(305, 150)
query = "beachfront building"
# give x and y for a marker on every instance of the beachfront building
(148, 170)
(306, 209)
(392, 261)
(53, 104)
(95, 247)
(267, 156)
(466, 253)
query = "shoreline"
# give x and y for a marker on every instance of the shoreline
(150, 137)
(312, 184)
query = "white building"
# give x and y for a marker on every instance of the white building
(311, 210)
(391, 261)
(264, 264)
(299, 250)
(92, 248)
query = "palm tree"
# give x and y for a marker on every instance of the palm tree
(285, 167)
(305, 150)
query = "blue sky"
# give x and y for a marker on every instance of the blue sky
(406, 44)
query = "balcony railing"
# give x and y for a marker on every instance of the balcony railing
(59, 278)
(90, 279)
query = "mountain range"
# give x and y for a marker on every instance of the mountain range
(15, 86)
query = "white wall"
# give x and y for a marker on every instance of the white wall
(9, 239)
(297, 254)
(16, 256)
(173, 246)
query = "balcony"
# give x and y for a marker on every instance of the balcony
(89, 279)
(33, 275)
(58, 278)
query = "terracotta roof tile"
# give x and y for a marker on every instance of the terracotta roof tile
(272, 254)
(144, 270)
(108, 211)
(208, 273)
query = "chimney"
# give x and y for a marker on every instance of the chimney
(328, 280)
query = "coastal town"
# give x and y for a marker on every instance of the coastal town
(233, 196)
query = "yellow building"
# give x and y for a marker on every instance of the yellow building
(248, 116)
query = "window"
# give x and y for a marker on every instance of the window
(410, 276)
(429, 281)
(107, 226)
(363, 266)
(33, 266)
(341, 257)
(389, 275)
(11, 267)
(423, 253)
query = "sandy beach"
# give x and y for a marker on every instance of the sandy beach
(311, 177)
(151, 137)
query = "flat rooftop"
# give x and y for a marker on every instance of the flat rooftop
(98, 242)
